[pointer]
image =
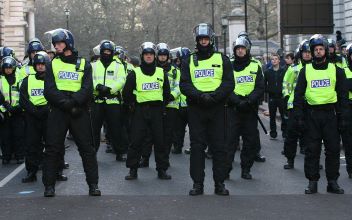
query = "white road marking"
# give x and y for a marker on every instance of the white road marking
(12, 175)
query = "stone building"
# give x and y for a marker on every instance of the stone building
(17, 24)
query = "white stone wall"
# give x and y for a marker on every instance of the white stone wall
(348, 20)
(15, 30)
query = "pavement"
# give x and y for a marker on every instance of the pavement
(273, 193)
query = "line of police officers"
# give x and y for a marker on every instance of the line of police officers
(222, 97)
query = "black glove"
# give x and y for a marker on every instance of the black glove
(68, 104)
(300, 124)
(286, 99)
(206, 99)
(343, 125)
(14, 109)
(103, 90)
(244, 105)
(42, 112)
(76, 112)
(132, 107)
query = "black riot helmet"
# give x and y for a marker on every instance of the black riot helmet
(204, 30)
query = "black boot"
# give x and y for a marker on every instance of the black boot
(350, 175)
(31, 177)
(61, 177)
(333, 187)
(163, 175)
(259, 158)
(221, 190)
(273, 134)
(177, 150)
(144, 162)
(187, 151)
(132, 175)
(246, 174)
(94, 190)
(302, 151)
(109, 149)
(198, 189)
(120, 158)
(289, 165)
(312, 187)
(19, 161)
(208, 155)
(5, 161)
(66, 165)
(49, 191)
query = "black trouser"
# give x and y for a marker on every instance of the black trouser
(293, 135)
(126, 127)
(244, 124)
(147, 117)
(81, 129)
(35, 140)
(169, 127)
(274, 104)
(12, 136)
(347, 143)
(111, 114)
(147, 146)
(180, 127)
(207, 126)
(321, 125)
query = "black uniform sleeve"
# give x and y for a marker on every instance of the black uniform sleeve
(166, 89)
(227, 85)
(130, 85)
(51, 93)
(258, 91)
(265, 81)
(300, 90)
(25, 103)
(186, 86)
(342, 92)
(85, 94)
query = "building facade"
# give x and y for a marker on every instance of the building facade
(17, 24)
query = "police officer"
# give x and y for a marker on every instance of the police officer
(289, 84)
(12, 129)
(147, 91)
(181, 116)
(322, 85)
(68, 90)
(36, 112)
(243, 106)
(346, 134)
(33, 47)
(207, 81)
(173, 74)
(109, 77)
(334, 57)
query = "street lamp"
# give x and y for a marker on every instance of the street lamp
(224, 24)
(266, 28)
(67, 13)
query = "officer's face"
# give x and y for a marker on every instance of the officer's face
(33, 54)
(319, 51)
(162, 58)
(8, 71)
(306, 55)
(148, 57)
(107, 52)
(331, 50)
(204, 41)
(241, 51)
(275, 60)
(59, 47)
(40, 67)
